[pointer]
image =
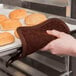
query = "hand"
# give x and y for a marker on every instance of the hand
(65, 44)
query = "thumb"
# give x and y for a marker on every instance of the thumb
(54, 33)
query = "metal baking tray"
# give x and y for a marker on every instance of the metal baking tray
(10, 47)
(17, 43)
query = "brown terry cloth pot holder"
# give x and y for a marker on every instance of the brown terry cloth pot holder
(35, 37)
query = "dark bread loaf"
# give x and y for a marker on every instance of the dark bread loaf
(35, 37)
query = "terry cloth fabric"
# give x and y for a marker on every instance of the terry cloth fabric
(34, 38)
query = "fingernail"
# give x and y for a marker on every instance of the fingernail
(53, 30)
(50, 31)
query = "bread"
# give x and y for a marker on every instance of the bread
(34, 19)
(2, 18)
(16, 34)
(18, 14)
(10, 24)
(6, 38)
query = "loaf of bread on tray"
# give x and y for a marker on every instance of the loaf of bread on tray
(18, 14)
(10, 24)
(2, 18)
(6, 38)
(34, 19)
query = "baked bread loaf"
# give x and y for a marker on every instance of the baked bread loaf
(35, 37)
(10, 24)
(2, 18)
(18, 14)
(34, 19)
(6, 38)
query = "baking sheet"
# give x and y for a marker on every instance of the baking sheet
(71, 26)
(17, 42)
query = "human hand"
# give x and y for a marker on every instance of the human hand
(65, 44)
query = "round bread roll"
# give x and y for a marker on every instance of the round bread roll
(2, 17)
(18, 14)
(10, 24)
(6, 38)
(34, 19)
(16, 34)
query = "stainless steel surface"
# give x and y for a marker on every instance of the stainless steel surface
(11, 71)
(14, 2)
(28, 69)
(7, 52)
(66, 19)
(61, 3)
(0, 1)
(25, 68)
(66, 73)
(67, 64)
(33, 71)
(48, 62)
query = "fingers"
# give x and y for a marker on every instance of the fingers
(55, 33)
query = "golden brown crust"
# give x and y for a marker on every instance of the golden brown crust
(6, 38)
(35, 19)
(18, 14)
(10, 24)
(2, 17)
